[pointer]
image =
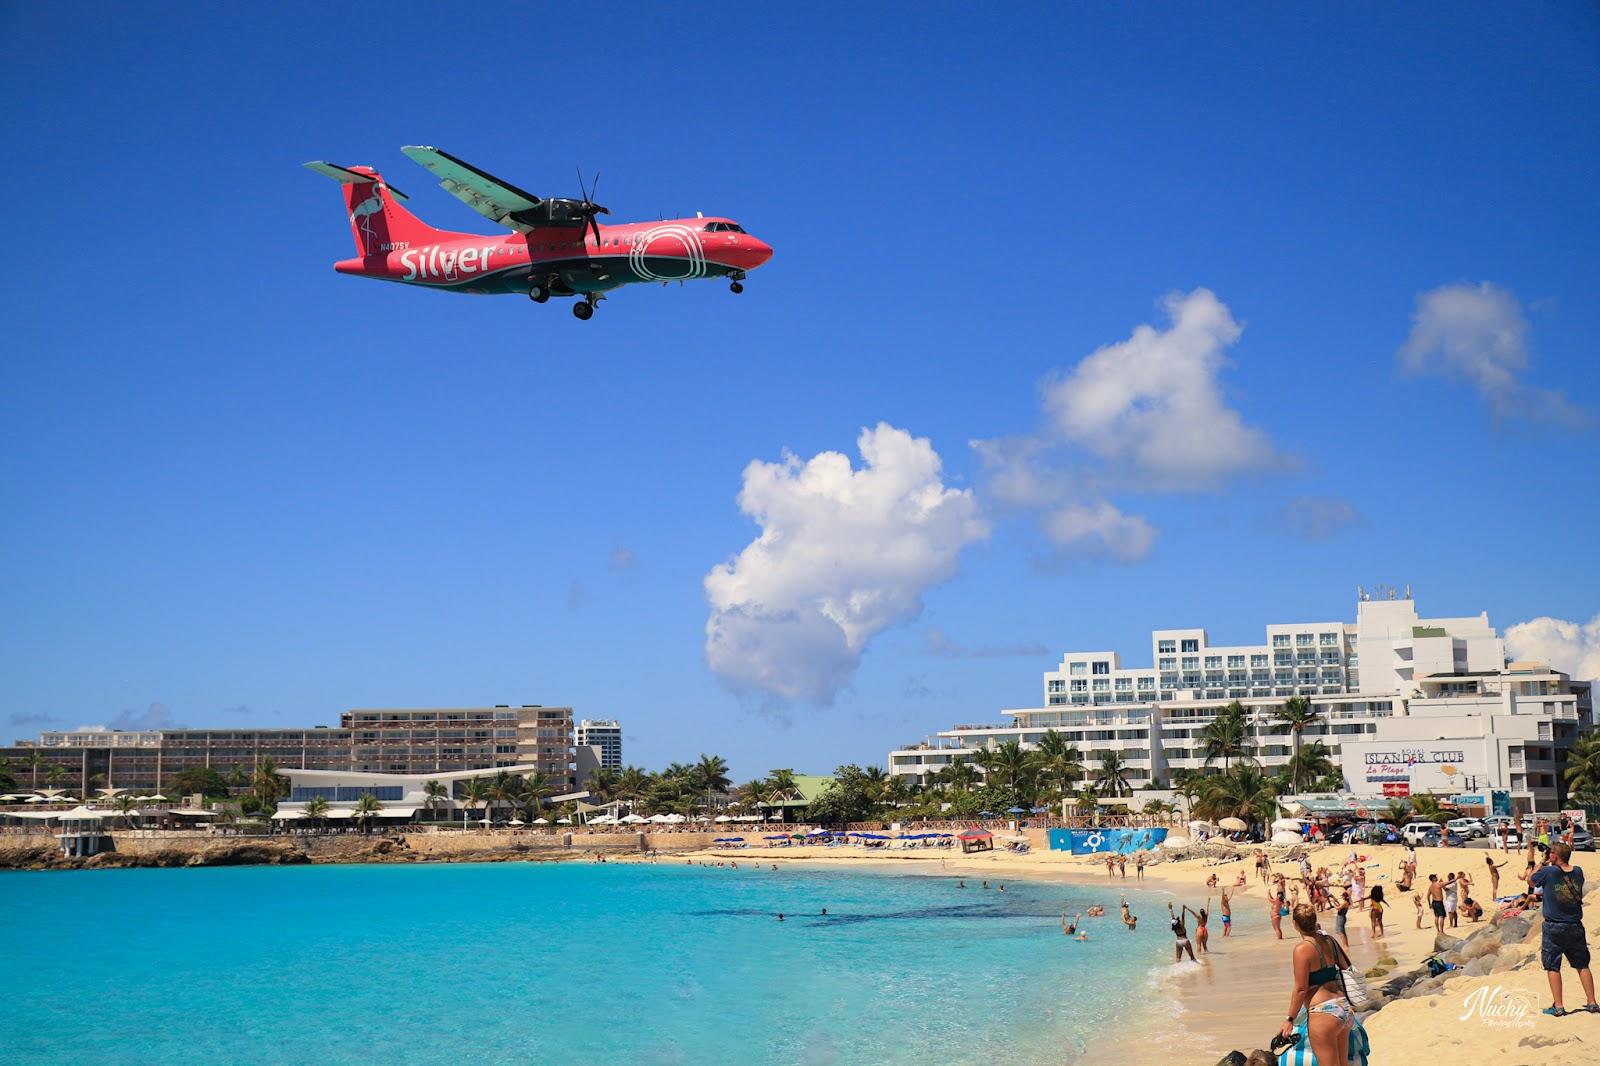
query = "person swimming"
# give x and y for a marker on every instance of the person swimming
(1070, 928)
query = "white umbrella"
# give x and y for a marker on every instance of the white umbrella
(37, 799)
(516, 821)
(1175, 841)
(723, 818)
(541, 821)
(633, 819)
(1237, 825)
(563, 821)
(1287, 838)
(1288, 825)
(674, 818)
(660, 818)
(157, 798)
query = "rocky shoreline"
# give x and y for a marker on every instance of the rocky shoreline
(45, 855)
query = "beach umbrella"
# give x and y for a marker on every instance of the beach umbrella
(1288, 825)
(541, 821)
(1016, 810)
(1237, 825)
(776, 836)
(157, 798)
(563, 821)
(632, 819)
(1175, 841)
(1287, 838)
(723, 818)
(516, 821)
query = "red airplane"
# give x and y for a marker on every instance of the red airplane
(557, 247)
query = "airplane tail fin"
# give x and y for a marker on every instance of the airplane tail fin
(377, 221)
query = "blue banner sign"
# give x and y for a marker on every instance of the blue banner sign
(1093, 841)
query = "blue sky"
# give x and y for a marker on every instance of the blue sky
(248, 490)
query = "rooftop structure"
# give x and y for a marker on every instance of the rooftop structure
(605, 734)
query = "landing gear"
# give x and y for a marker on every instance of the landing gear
(539, 292)
(582, 310)
(735, 287)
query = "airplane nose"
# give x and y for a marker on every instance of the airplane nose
(761, 250)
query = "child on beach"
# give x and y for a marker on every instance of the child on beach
(1416, 897)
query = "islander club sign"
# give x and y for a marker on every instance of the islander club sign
(1394, 766)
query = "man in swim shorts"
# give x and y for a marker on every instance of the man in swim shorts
(1561, 884)
(1436, 901)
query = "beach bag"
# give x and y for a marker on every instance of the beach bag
(1358, 1049)
(1354, 984)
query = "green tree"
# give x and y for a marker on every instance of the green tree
(1059, 762)
(367, 808)
(1429, 809)
(602, 785)
(1397, 811)
(435, 794)
(8, 781)
(126, 807)
(632, 784)
(1244, 791)
(34, 761)
(781, 780)
(267, 783)
(1189, 784)
(536, 788)
(198, 780)
(1112, 777)
(1311, 763)
(957, 775)
(1014, 767)
(53, 775)
(1227, 736)
(1582, 775)
(710, 776)
(474, 794)
(317, 810)
(505, 789)
(1295, 715)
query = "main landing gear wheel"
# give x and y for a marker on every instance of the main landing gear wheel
(538, 293)
(735, 287)
(582, 310)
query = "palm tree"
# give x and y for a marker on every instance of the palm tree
(1227, 736)
(1158, 807)
(125, 806)
(536, 788)
(267, 784)
(34, 761)
(603, 784)
(504, 788)
(986, 759)
(958, 775)
(1582, 774)
(475, 793)
(436, 793)
(1015, 768)
(53, 775)
(1310, 763)
(1398, 810)
(1088, 802)
(875, 783)
(366, 807)
(781, 780)
(1241, 792)
(632, 783)
(1429, 809)
(710, 775)
(1189, 784)
(897, 791)
(1297, 713)
(317, 809)
(1059, 761)
(1112, 777)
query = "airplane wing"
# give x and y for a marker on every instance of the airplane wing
(496, 200)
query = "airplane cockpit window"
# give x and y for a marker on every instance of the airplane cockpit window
(723, 227)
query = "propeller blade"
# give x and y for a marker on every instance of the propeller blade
(595, 226)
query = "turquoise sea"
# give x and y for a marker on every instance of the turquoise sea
(558, 963)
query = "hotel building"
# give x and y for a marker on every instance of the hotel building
(605, 734)
(1434, 694)
(369, 740)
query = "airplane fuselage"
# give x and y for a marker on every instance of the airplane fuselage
(568, 259)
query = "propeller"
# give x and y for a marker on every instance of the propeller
(590, 208)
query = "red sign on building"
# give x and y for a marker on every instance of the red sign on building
(1396, 789)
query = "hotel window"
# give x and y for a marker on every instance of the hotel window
(1102, 668)
(1169, 663)
(1280, 640)
(1166, 693)
(1147, 682)
(1101, 684)
(1213, 662)
(1282, 658)
(1237, 693)
(1330, 640)
(1080, 686)
(1304, 640)
(1166, 646)
(1078, 669)
(1235, 662)
(1057, 685)
(1191, 644)
(1191, 662)
(1124, 683)
(1258, 660)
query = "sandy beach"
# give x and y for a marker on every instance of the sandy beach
(1236, 997)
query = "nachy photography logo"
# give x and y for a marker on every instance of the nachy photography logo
(1503, 1008)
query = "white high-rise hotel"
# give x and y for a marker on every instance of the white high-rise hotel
(1432, 703)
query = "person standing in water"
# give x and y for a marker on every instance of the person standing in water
(1181, 935)
(1072, 928)
(1227, 915)
(1138, 867)
(1200, 933)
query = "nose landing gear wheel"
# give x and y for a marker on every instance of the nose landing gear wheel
(582, 310)
(735, 287)
(538, 293)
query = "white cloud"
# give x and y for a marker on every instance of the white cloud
(843, 554)
(1479, 334)
(1152, 406)
(1146, 414)
(1100, 528)
(1571, 647)
(621, 559)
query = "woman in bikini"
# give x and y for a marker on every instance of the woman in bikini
(1181, 935)
(1200, 933)
(1277, 909)
(1320, 991)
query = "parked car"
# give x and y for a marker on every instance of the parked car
(1416, 833)
(1582, 840)
(1369, 833)
(1471, 828)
